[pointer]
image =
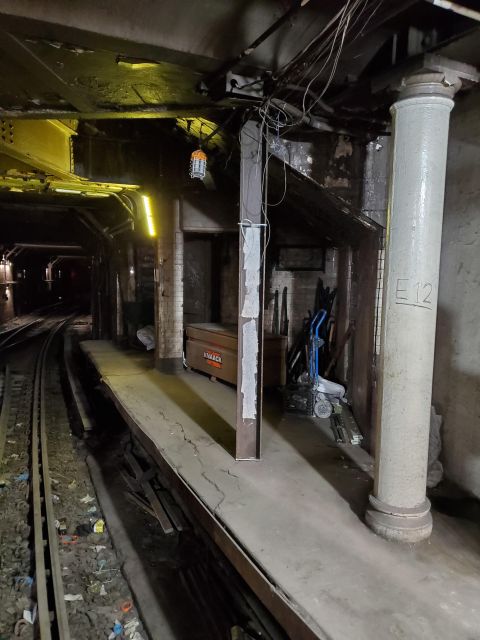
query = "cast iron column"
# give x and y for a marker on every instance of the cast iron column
(399, 508)
(251, 293)
(168, 285)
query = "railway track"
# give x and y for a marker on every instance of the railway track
(60, 576)
(51, 608)
(15, 336)
(27, 399)
(66, 574)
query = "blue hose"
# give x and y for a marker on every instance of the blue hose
(315, 328)
(311, 346)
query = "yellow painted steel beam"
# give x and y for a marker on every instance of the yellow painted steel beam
(31, 183)
(45, 145)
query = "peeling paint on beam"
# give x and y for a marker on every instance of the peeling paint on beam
(251, 268)
(250, 319)
(249, 366)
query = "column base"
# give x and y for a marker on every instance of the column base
(397, 524)
(169, 365)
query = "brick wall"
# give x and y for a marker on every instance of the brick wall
(301, 289)
(229, 281)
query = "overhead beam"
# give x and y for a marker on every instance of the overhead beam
(21, 53)
(43, 144)
(144, 111)
(167, 34)
(460, 9)
(49, 246)
(71, 186)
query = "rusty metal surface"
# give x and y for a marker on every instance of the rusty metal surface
(250, 293)
(365, 265)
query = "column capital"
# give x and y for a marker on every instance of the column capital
(427, 74)
(430, 83)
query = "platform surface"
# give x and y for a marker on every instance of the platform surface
(299, 511)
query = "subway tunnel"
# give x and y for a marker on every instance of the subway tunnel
(239, 354)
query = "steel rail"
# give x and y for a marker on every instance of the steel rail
(6, 342)
(47, 560)
(6, 336)
(5, 411)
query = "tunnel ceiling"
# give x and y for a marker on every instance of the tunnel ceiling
(86, 91)
(37, 218)
(95, 59)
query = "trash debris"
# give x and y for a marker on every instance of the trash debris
(103, 591)
(116, 631)
(55, 498)
(101, 565)
(23, 581)
(92, 509)
(11, 442)
(86, 499)
(65, 539)
(98, 526)
(97, 547)
(136, 636)
(73, 597)
(30, 615)
(22, 477)
(95, 587)
(131, 626)
(126, 606)
(146, 336)
(61, 525)
(17, 630)
(14, 456)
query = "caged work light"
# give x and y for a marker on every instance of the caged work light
(147, 205)
(198, 164)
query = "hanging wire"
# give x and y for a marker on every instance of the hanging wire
(325, 49)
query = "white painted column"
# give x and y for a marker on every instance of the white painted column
(399, 508)
(168, 286)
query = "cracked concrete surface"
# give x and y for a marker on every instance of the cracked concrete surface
(299, 512)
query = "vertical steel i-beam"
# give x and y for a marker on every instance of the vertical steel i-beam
(251, 293)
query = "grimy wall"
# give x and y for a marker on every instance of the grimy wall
(456, 387)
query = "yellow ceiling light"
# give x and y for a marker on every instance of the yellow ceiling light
(147, 205)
